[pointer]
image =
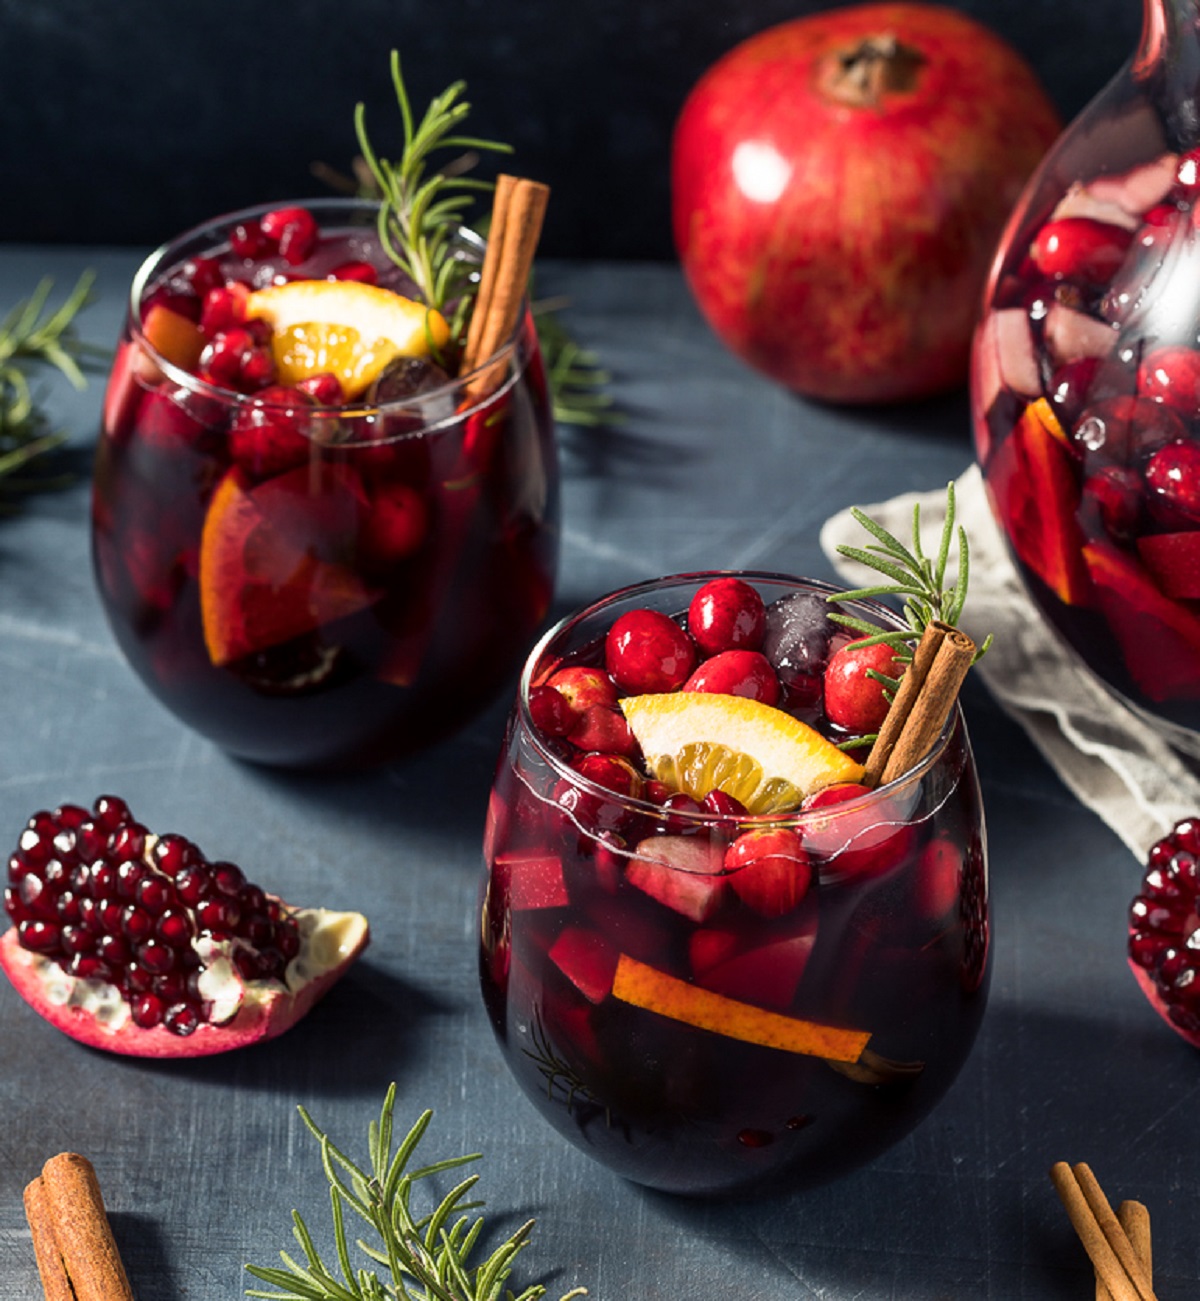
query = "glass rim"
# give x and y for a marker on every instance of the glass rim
(161, 258)
(704, 818)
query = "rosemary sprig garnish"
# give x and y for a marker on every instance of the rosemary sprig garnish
(421, 212)
(426, 1256)
(32, 334)
(920, 579)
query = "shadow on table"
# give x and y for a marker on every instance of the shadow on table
(366, 1032)
(965, 1206)
(144, 1255)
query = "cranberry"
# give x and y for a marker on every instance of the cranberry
(247, 240)
(550, 712)
(1172, 375)
(1173, 481)
(645, 651)
(726, 614)
(737, 673)
(612, 772)
(1114, 495)
(1122, 430)
(604, 729)
(581, 685)
(683, 814)
(1081, 249)
(769, 870)
(854, 696)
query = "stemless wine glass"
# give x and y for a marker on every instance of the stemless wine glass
(695, 1027)
(309, 583)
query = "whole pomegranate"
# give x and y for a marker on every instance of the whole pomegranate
(839, 183)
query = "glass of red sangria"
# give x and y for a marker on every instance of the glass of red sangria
(714, 959)
(316, 540)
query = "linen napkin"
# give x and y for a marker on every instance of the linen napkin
(1108, 757)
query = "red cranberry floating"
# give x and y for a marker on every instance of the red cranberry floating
(1172, 375)
(769, 870)
(647, 652)
(1164, 929)
(582, 685)
(1081, 249)
(1173, 480)
(1121, 430)
(737, 673)
(164, 976)
(265, 438)
(726, 614)
(854, 698)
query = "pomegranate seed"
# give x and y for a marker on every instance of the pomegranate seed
(113, 949)
(224, 308)
(129, 841)
(228, 878)
(182, 1019)
(40, 936)
(147, 1011)
(363, 272)
(324, 389)
(173, 853)
(137, 924)
(294, 230)
(247, 240)
(174, 927)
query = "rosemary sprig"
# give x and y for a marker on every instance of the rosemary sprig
(420, 214)
(33, 335)
(918, 578)
(426, 1257)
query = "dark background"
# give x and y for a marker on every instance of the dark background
(128, 120)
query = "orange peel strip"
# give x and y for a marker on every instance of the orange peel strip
(656, 991)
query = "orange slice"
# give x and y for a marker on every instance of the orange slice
(697, 741)
(344, 328)
(656, 991)
(261, 585)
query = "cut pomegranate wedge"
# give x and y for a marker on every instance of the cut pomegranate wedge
(138, 944)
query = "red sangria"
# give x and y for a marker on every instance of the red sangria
(714, 959)
(316, 541)
(1086, 383)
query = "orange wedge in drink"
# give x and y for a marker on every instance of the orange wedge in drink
(344, 328)
(261, 584)
(699, 741)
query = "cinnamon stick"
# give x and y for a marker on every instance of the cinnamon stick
(1105, 1241)
(901, 706)
(518, 209)
(76, 1253)
(1135, 1220)
(932, 702)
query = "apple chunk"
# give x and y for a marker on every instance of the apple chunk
(656, 991)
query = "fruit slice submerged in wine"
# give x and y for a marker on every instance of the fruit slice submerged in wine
(344, 328)
(1033, 484)
(140, 945)
(1159, 638)
(261, 579)
(657, 991)
(760, 755)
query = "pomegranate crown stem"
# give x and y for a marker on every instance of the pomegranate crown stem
(429, 1248)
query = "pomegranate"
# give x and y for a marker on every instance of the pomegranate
(839, 183)
(1164, 929)
(138, 944)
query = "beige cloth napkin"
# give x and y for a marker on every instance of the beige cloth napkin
(1116, 764)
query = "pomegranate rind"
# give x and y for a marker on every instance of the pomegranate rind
(270, 1009)
(1146, 983)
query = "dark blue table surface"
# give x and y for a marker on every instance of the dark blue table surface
(202, 1162)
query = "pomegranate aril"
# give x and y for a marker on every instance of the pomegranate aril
(174, 927)
(128, 841)
(224, 308)
(193, 884)
(182, 1018)
(147, 1010)
(247, 240)
(156, 957)
(363, 272)
(70, 816)
(286, 939)
(137, 924)
(76, 939)
(41, 936)
(228, 878)
(173, 853)
(129, 873)
(293, 230)
(113, 949)
(218, 915)
(325, 389)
